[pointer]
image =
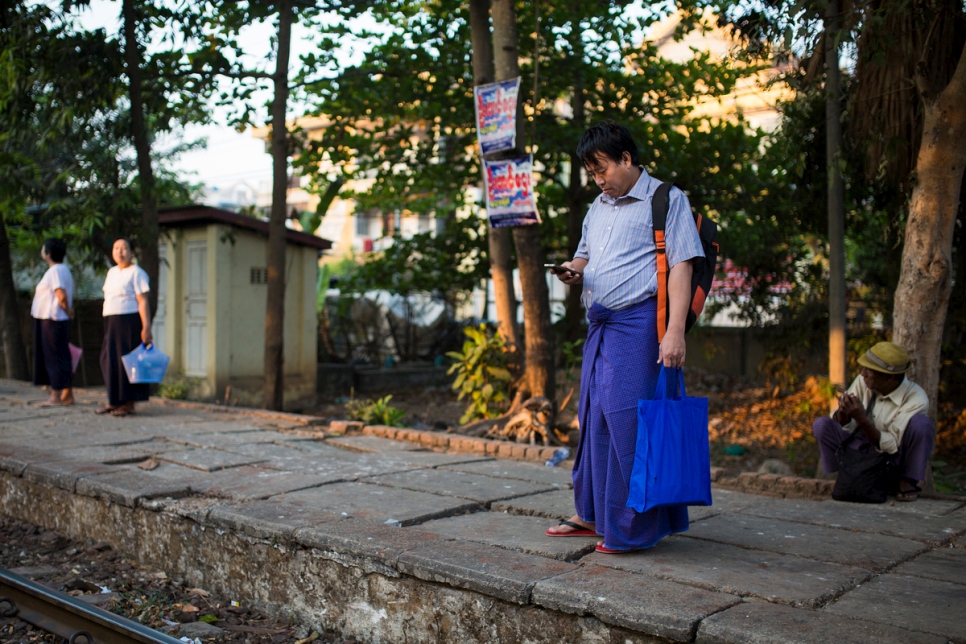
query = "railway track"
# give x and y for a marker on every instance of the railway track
(76, 621)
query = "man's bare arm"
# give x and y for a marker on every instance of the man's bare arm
(673, 348)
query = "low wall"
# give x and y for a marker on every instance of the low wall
(368, 582)
(726, 350)
(87, 332)
(336, 380)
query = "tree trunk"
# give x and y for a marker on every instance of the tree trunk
(14, 351)
(836, 200)
(576, 195)
(922, 295)
(498, 239)
(272, 397)
(538, 338)
(148, 251)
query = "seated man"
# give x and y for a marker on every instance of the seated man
(891, 411)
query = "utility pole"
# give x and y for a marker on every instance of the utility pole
(836, 199)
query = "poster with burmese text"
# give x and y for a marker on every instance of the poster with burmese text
(496, 115)
(509, 192)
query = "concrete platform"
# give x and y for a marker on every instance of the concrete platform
(388, 541)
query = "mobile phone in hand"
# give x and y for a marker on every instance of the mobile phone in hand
(557, 268)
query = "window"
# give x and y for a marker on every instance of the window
(259, 275)
(362, 225)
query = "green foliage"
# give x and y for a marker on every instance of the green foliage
(947, 479)
(481, 373)
(176, 388)
(208, 618)
(66, 166)
(376, 412)
(411, 136)
(572, 357)
(447, 266)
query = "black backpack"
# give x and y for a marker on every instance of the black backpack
(703, 272)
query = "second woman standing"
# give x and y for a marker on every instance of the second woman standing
(127, 323)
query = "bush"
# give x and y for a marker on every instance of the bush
(481, 373)
(376, 412)
(176, 388)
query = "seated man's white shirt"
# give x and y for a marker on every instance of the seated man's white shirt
(121, 288)
(890, 414)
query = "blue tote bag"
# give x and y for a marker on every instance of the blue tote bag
(145, 365)
(672, 461)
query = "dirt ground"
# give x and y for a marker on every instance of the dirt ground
(748, 424)
(146, 595)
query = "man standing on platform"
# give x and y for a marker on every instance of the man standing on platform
(616, 262)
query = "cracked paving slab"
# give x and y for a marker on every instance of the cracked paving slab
(256, 482)
(943, 564)
(634, 601)
(510, 576)
(128, 486)
(763, 623)
(771, 576)
(379, 504)
(878, 518)
(865, 550)
(476, 487)
(229, 439)
(555, 505)
(512, 532)
(556, 477)
(207, 460)
(267, 519)
(374, 444)
(926, 605)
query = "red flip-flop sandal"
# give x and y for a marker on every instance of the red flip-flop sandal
(601, 548)
(578, 531)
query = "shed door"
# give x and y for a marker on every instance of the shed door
(159, 328)
(196, 310)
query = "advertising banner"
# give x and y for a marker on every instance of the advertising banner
(509, 192)
(496, 115)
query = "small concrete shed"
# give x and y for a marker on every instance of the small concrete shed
(212, 297)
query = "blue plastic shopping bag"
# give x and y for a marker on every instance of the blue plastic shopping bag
(672, 461)
(145, 365)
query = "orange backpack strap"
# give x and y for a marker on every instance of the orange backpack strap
(659, 209)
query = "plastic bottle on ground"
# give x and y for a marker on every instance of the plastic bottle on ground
(558, 457)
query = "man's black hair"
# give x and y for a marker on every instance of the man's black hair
(55, 249)
(609, 139)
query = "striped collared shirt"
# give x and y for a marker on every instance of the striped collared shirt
(618, 243)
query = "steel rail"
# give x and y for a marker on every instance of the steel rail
(73, 619)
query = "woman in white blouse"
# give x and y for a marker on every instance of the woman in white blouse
(52, 312)
(127, 323)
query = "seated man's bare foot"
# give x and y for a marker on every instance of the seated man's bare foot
(908, 490)
(566, 528)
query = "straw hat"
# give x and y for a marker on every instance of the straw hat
(886, 357)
